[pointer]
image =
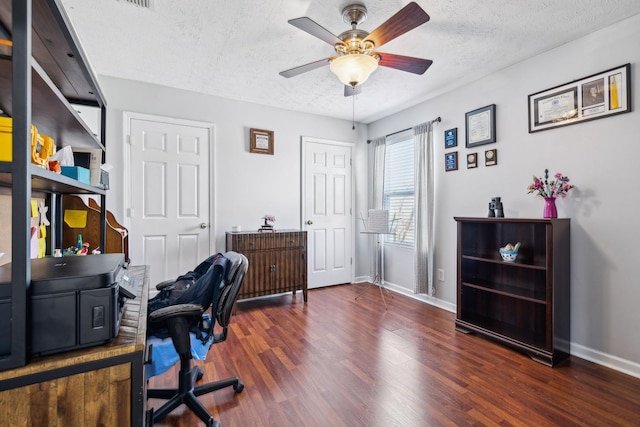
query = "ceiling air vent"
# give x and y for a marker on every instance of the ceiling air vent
(141, 3)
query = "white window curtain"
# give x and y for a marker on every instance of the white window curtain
(424, 196)
(379, 149)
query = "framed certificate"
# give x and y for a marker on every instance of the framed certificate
(261, 141)
(481, 126)
(593, 97)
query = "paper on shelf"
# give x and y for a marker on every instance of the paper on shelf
(75, 218)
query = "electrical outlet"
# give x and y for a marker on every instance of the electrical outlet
(441, 274)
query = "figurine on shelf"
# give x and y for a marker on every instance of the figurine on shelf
(84, 250)
(266, 226)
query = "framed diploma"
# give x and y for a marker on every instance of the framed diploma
(593, 97)
(481, 126)
(261, 141)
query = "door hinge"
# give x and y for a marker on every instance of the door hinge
(130, 212)
(129, 139)
(351, 261)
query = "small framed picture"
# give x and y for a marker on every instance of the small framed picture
(451, 161)
(261, 141)
(451, 138)
(491, 157)
(472, 160)
(481, 126)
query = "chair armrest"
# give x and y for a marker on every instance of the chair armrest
(178, 310)
(160, 286)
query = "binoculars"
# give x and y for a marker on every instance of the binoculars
(495, 208)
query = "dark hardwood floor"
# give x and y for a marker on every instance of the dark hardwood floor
(340, 362)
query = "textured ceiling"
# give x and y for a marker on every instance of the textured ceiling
(236, 48)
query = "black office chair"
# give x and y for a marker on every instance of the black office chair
(181, 318)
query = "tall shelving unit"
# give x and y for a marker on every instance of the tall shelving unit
(526, 303)
(42, 74)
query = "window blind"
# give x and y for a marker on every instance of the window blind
(399, 189)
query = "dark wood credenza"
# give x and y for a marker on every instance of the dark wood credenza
(525, 303)
(100, 385)
(277, 261)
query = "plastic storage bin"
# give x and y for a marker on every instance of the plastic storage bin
(6, 128)
(42, 146)
(77, 172)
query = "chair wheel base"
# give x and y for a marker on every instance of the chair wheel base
(199, 374)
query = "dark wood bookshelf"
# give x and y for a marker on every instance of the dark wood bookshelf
(524, 303)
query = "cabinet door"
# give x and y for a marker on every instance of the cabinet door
(257, 281)
(288, 269)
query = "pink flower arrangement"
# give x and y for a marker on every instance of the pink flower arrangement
(556, 187)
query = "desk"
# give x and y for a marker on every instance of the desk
(100, 385)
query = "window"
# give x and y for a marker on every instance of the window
(399, 192)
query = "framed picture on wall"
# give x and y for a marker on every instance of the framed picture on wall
(261, 141)
(481, 126)
(472, 160)
(451, 138)
(491, 157)
(451, 161)
(594, 97)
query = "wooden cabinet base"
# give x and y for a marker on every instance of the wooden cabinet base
(277, 262)
(535, 353)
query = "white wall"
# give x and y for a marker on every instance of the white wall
(247, 186)
(600, 157)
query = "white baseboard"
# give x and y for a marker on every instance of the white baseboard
(421, 297)
(614, 362)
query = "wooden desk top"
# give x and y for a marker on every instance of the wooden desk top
(131, 337)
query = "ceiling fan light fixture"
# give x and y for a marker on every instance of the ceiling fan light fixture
(353, 69)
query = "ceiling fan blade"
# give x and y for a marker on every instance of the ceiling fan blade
(310, 26)
(351, 91)
(404, 63)
(304, 68)
(407, 18)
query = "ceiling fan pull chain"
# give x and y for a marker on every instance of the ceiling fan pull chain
(353, 120)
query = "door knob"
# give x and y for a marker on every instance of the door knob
(203, 225)
(309, 222)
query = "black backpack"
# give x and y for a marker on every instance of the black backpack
(200, 286)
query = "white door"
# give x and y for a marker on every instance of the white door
(169, 178)
(327, 211)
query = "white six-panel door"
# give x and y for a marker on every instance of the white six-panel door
(327, 211)
(169, 195)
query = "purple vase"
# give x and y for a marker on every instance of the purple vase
(550, 210)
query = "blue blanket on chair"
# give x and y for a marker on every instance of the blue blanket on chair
(164, 355)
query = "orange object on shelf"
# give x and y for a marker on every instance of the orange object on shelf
(54, 165)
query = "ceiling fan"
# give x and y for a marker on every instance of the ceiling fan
(356, 56)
